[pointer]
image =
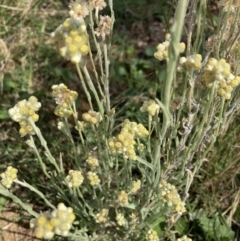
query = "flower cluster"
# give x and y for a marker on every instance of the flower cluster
(24, 111)
(122, 198)
(64, 99)
(121, 220)
(169, 194)
(102, 216)
(98, 4)
(79, 9)
(219, 72)
(184, 238)
(104, 27)
(162, 48)
(191, 63)
(82, 126)
(92, 161)
(151, 107)
(152, 235)
(124, 142)
(92, 117)
(8, 176)
(75, 39)
(74, 178)
(137, 130)
(58, 222)
(135, 186)
(93, 178)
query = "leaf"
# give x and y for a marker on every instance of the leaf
(214, 227)
(149, 51)
(181, 226)
(2, 202)
(146, 163)
(4, 114)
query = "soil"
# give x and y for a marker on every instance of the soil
(11, 229)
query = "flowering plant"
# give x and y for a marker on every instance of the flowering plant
(122, 181)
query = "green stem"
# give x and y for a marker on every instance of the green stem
(69, 134)
(40, 194)
(172, 62)
(75, 116)
(99, 52)
(106, 82)
(5, 192)
(43, 166)
(198, 135)
(44, 144)
(92, 88)
(95, 72)
(84, 87)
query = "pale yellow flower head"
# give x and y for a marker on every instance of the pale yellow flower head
(152, 235)
(151, 107)
(102, 216)
(74, 178)
(122, 198)
(8, 176)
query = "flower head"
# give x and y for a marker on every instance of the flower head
(74, 178)
(152, 235)
(23, 112)
(98, 4)
(122, 198)
(102, 216)
(191, 63)
(169, 195)
(63, 95)
(184, 238)
(79, 9)
(25, 109)
(121, 219)
(162, 48)
(92, 117)
(93, 178)
(104, 27)
(136, 185)
(8, 176)
(59, 222)
(92, 161)
(73, 38)
(64, 99)
(219, 72)
(151, 107)
(42, 226)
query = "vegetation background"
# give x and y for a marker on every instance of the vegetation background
(30, 64)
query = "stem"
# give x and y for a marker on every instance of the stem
(99, 52)
(76, 123)
(92, 88)
(44, 144)
(172, 62)
(40, 194)
(106, 82)
(110, 3)
(5, 192)
(43, 166)
(198, 134)
(71, 139)
(95, 71)
(84, 87)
